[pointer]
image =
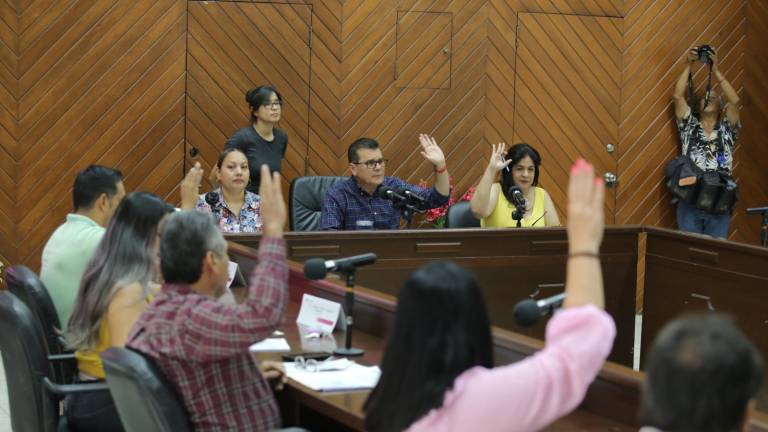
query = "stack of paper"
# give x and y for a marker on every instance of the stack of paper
(353, 377)
(271, 345)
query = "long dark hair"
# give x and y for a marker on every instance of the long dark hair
(258, 96)
(124, 256)
(441, 329)
(516, 153)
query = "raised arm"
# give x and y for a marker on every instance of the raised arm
(730, 94)
(534, 392)
(678, 96)
(216, 330)
(434, 155)
(482, 202)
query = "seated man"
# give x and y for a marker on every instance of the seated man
(702, 375)
(96, 194)
(201, 344)
(354, 204)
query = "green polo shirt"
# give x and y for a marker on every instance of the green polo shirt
(64, 259)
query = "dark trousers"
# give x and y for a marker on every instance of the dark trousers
(92, 411)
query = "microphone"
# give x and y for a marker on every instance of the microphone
(527, 312)
(389, 194)
(518, 199)
(757, 210)
(413, 197)
(212, 198)
(317, 268)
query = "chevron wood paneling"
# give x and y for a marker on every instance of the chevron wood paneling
(568, 75)
(136, 83)
(234, 47)
(96, 82)
(657, 35)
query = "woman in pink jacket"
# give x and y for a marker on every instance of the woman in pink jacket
(437, 372)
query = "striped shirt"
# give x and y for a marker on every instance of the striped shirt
(348, 207)
(201, 345)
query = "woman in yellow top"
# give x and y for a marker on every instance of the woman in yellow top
(492, 202)
(117, 284)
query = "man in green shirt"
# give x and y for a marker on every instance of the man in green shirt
(96, 194)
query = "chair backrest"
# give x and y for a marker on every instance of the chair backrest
(306, 201)
(28, 287)
(25, 361)
(460, 216)
(138, 386)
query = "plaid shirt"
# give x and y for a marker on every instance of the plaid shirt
(346, 204)
(202, 346)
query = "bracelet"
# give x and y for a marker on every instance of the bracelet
(584, 254)
(442, 170)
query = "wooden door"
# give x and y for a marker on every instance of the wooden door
(568, 95)
(233, 47)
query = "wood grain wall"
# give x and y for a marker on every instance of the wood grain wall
(135, 84)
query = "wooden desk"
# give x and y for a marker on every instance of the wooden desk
(610, 403)
(510, 265)
(688, 273)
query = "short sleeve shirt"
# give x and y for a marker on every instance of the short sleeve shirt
(259, 151)
(247, 221)
(710, 153)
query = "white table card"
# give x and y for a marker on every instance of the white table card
(318, 314)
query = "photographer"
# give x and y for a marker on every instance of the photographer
(707, 137)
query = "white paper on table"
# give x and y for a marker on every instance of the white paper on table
(271, 345)
(318, 313)
(354, 377)
(232, 271)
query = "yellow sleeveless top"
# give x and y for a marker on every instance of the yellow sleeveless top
(89, 362)
(501, 217)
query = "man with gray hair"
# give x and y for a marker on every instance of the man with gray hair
(201, 344)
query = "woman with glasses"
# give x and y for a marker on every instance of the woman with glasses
(495, 204)
(437, 371)
(261, 141)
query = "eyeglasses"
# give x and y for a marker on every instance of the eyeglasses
(329, 364)
(273, 104)
(373, 163)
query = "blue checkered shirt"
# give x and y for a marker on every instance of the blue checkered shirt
(346, 204)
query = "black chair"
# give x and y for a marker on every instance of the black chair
(34, 398)
(306, 201)
(138, 386)
(25, 285)
(460, 216)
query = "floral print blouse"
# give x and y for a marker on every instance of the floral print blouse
(249, 219)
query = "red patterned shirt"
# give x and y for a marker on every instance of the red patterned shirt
(202, 346)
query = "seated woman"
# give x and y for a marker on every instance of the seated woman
(437, 370)
(492, 202)
(234, 208)
(117, 285)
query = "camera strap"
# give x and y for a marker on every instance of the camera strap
(708, 92)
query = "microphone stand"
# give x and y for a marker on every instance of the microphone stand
(349, 299)
(517, 215)
(764, 230)
(407, 211)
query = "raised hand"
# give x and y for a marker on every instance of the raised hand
(693, 55)
(190, 187)
(273, 211)
(431, 151)
(497, 163)
(586, 194)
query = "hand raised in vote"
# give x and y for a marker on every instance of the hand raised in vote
(273, 211)
(586, 194)
(274, 372)
(431, 151)
(497, 162)
(190, 187)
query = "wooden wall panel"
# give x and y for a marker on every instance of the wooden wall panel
(234, 47)
(9, 28)
(97, 82)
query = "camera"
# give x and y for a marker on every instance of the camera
(704, 53)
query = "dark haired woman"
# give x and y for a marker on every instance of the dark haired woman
(234, 208)
(436, 370)
(117, 285)
(492, 202)
(261, 141)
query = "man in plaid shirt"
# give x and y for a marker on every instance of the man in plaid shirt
(201, 344)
